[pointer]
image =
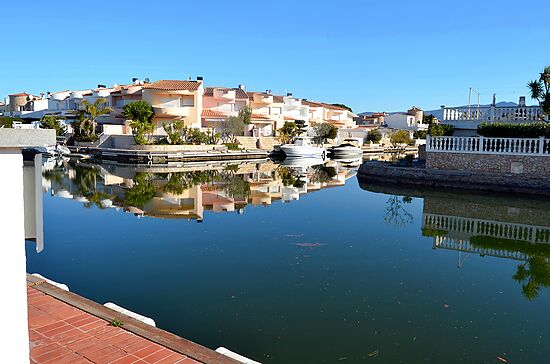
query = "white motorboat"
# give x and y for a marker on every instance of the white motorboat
(348, 147)
(302, 147)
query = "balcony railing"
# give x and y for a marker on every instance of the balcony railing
(493, 113)
(479, 227)
(483, 145)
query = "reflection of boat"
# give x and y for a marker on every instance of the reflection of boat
(302, 162)
(349, 147)
(302, 148)
(353, 161)
(58, 150)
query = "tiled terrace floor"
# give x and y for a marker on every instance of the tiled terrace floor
(60, 333)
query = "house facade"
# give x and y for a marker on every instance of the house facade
(175, 99)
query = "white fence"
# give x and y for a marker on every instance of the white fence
(497, 229)
(494, 113)
(483, 145)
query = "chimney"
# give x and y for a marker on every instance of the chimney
(289, 93)
(135, 80)
(242, 87)
(199, 78)
(494, 99)
(101, 86)
(521, 101)
(268, 92)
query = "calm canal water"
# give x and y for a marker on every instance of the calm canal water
(305, 264)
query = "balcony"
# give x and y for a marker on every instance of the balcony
(292, 102)
(470, 117)
(163, 110)
(225, 94)
(263, 98)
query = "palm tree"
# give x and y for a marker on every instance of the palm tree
(534, 274)
(85, 124)
(140, 113)
(540, 90)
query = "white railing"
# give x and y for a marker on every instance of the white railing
(443, 242)
(496, 229)
(493, 113)
(484, 145)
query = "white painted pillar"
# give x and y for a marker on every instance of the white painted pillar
(13, 304)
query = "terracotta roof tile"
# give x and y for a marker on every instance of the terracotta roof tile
(260, 116)
(20, 94)
(212, 113)
(174, 85)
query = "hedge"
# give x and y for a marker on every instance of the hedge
(508, 130)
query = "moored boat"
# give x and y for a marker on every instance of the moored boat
(302, 147)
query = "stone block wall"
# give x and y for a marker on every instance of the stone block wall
(535, 166)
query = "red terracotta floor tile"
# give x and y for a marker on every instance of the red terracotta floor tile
(150, 349)
(159, 355)
(125, 360)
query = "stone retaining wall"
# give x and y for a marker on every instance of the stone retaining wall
(535, 166)
(383, 173)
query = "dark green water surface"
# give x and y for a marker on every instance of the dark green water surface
(347, 273)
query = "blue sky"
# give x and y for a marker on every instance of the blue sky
(375, 56)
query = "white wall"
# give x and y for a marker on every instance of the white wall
(13, 304)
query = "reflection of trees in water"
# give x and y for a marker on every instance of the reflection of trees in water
(142, 191)
(534, 274)
(291, 177)
(288, 176)
(86, 184)
(180, 181)
(236, 187)
(396, 214)
(146, 185)
(322, 174)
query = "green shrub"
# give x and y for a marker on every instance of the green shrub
(232, 146)
(374, 136)
(509, 130)
(440, 130)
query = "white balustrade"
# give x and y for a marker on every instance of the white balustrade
(497, 229)
(443, 242)
(493, 113)
(484, 145)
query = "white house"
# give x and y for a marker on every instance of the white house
(410, 120)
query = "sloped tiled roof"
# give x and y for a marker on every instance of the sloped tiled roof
(239, 93)
(259, 116)
(20, 94)
(173, 85)
(212, 114)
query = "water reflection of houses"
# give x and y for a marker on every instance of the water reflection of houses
(500, 227)
(187, 191)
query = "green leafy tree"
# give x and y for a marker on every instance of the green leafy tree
(52, 122)
(231, 127)
(85, 123)
(540, 90)
(288, 132)
(374, 136)
(401, 137)
(325, 131)
(140, 114)
(428, 119)
(245, 114)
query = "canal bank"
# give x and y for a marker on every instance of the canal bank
(380, 172)
(65, 327)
